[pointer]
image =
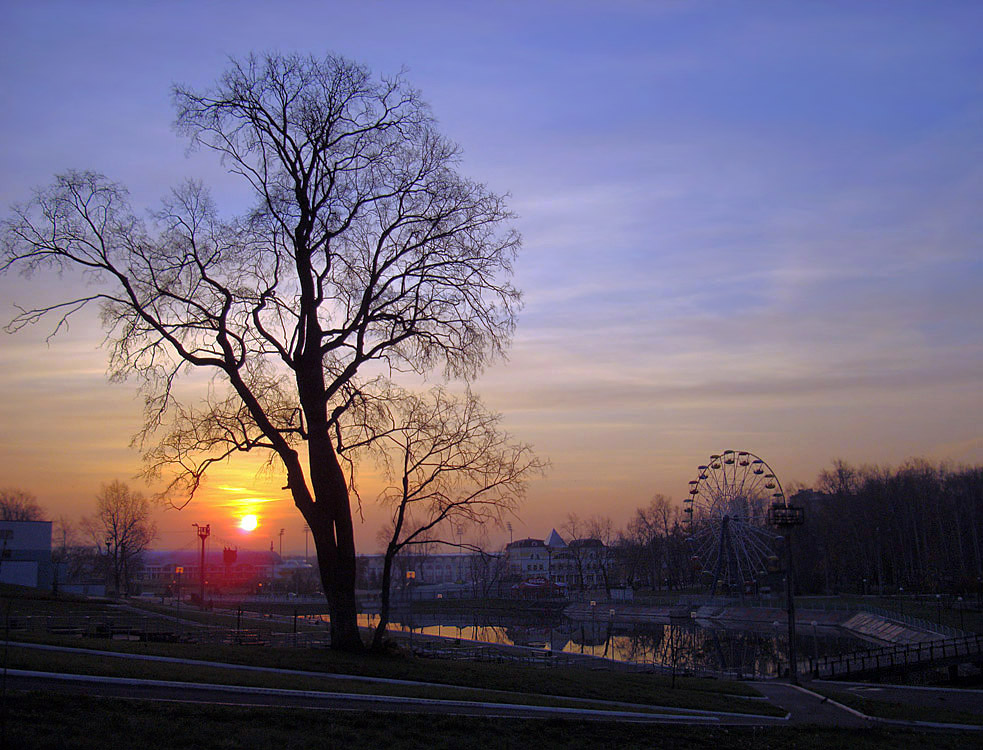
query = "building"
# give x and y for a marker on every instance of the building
(581, 564)
(454, 567)
(528, 558)
(549, 565)
(224, 569)
(25, 553)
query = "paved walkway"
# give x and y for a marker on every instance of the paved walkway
(616, 710)
(806, 707)
(954, 699)
(193, 692)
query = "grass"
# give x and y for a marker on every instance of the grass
(20, 658)
(897, 710)
(549, 685)
(43, 721)
(555, 682)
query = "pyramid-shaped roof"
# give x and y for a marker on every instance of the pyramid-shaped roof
(555, 540)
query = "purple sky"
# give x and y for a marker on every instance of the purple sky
(747, 225)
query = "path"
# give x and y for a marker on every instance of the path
(806, 707)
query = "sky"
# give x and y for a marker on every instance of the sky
(751, 226)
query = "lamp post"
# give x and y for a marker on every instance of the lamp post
(112, 561)
(672, 652)
(785, 517)
(203, 532)
(179, 570)
(593, 625)
(901, 600)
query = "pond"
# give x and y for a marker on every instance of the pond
(694, 646)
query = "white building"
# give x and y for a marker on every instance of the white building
(579, 564)
(25, 553)
(454, 567)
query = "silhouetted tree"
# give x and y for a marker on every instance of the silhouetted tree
(123, 521)
(366, 252)
(877, 529)
(450, 465)
(655, 531)
(18, 505)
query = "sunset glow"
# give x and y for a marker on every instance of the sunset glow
(249, 523)
(751, 226)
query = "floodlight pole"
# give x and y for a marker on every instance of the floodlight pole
(203, 532)
(784, 517)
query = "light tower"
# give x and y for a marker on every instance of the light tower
(203, 532)
(785, 517)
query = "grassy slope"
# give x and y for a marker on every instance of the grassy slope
(602, 685)
(896, 710)
(525, 682)
(55, 721)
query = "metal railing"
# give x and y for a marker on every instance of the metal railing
(915, 622)
(278, 632)
(898, 656)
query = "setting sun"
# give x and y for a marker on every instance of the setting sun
(248, 523)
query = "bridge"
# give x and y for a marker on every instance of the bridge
(897, 658)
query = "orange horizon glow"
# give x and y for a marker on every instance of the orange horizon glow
(249, 522)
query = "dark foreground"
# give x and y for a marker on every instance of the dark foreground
(48, 720)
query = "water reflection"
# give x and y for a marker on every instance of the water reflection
(687, 645)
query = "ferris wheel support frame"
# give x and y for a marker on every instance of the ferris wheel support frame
(730, 535)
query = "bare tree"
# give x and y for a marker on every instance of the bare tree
(602, 529)
(662, 547)
(123, 521)
(18, 505)
(366, 251)
(64, 547)
(451, 466)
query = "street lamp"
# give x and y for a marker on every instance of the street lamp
(785, 517)
(112, 561)
(203, 534)
(593, 625)
(901, 600)
(179, 570)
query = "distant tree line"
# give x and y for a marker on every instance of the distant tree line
(868, 529)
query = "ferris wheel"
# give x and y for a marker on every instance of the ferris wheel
(727, 515)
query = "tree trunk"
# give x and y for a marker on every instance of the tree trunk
(338, 585)
(384, 592)
(329, 517)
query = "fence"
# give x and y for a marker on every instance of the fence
(905, 657)
(159, 629)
